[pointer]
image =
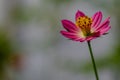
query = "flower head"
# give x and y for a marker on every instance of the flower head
(85, 28)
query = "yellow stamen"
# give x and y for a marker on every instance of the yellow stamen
(84, 23)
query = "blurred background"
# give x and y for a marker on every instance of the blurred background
(31, 47)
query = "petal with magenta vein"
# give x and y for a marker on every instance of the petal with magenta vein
(97, 17)
(79, 14)
(69, 26)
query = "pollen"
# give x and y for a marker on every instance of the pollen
(84, 23)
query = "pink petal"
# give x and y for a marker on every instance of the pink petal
(105, 30)
(104, 24)
(69, 34)
(69, 26)
(73, 36)
(95, 35)
(90, 38)
(97, 17)
(79, 14)
(80, 39)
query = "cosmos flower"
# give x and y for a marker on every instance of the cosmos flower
(85, 28)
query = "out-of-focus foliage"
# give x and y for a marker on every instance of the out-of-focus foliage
(59, 2)
(18, 15)
(8, 56)
(5, 51)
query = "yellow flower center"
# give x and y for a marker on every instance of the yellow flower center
(84, 23)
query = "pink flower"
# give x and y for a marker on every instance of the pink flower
(85, 28)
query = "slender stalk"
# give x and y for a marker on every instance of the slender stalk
(93, 61)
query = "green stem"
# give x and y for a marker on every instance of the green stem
(93, 61)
